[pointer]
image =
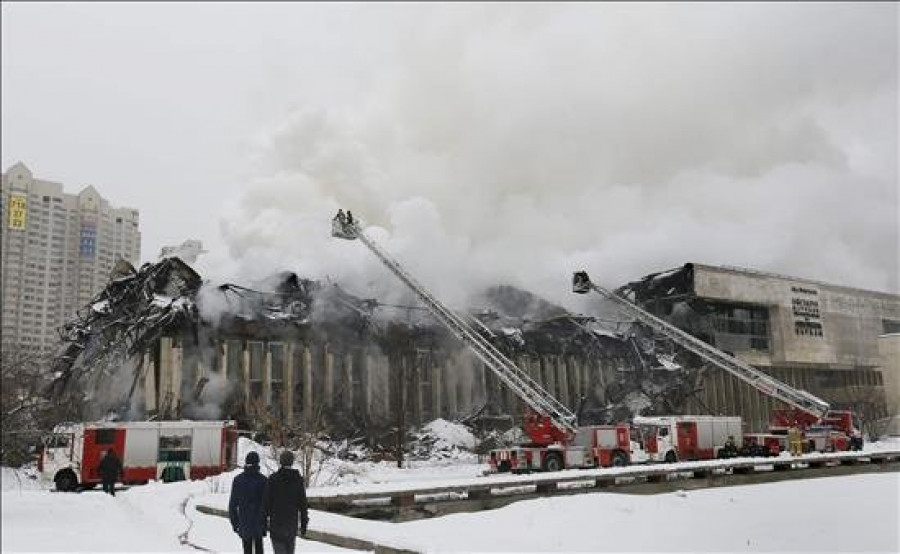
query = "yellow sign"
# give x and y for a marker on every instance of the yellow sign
(18, 211)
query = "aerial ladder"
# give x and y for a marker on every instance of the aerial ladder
(796, 398)
(551, 421)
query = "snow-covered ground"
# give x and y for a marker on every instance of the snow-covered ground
(853, 513)
(153, 518)
(835, 514)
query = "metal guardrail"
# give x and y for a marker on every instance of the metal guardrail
(505, 485)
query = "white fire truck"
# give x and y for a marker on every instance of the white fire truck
(691, 437)
(161, 450)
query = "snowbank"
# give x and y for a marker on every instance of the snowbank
(449, 434)
(20, 479)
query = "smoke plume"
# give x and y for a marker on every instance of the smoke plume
(489, 144)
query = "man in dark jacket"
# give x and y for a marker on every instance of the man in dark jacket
(245, 507)
(110, 469)
(285, 500)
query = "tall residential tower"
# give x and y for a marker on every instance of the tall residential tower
(57, 253)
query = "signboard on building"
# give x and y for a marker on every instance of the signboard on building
(88, 245)
(18, 211)
(805, 307)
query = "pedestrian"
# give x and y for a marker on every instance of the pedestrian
(341, 217)
(349, 217)
(285, 500)
(245, 507)
(110, 470)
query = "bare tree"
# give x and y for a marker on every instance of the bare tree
(28, 414)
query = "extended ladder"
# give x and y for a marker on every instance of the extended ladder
(763, 382)
(518, 380)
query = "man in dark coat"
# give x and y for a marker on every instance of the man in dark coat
(245, 507)
(285, 500)
(110, 469)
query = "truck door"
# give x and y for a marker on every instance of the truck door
(687, 440)
(96, 442)
(651, 443)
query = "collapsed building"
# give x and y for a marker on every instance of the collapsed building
(161, 343)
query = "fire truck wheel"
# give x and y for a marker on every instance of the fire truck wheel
(671, 457)
(619, 459)
(66, 481)
(553, 462)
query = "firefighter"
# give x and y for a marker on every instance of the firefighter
(286, 499)
(730, 449)
(796, 441)
(245, 507)
(110, 470)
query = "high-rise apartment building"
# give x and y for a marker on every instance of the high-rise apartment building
(57, 253)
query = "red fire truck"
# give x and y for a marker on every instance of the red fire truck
(162, 450)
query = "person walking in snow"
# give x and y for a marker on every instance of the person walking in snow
(286, 499)
(245, 507)
(110, 469)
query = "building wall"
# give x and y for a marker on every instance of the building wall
(823, 339)
(889, 367)
(300, 380)
(57, 252)
(811, 323)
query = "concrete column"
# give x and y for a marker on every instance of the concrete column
(450, 377)
(368, 383)
(267, 376)
(575, 379)
(165, 370)
(562, 380)
(201, 371)
(149, 382)
(756, 423)
(348, 380)
(245, 373)
(550, 375)
(436, 391)
(287, 384)
(307, 385)
(223, 360)
(329, 376)
(177, 372)
(734, 387)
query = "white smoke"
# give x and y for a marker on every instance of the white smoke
(514, 144)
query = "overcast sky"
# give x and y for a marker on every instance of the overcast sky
(486, 143)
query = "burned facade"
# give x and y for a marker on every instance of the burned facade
(816, 336)
(159, 343)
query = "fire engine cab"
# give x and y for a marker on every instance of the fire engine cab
(161, 450)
